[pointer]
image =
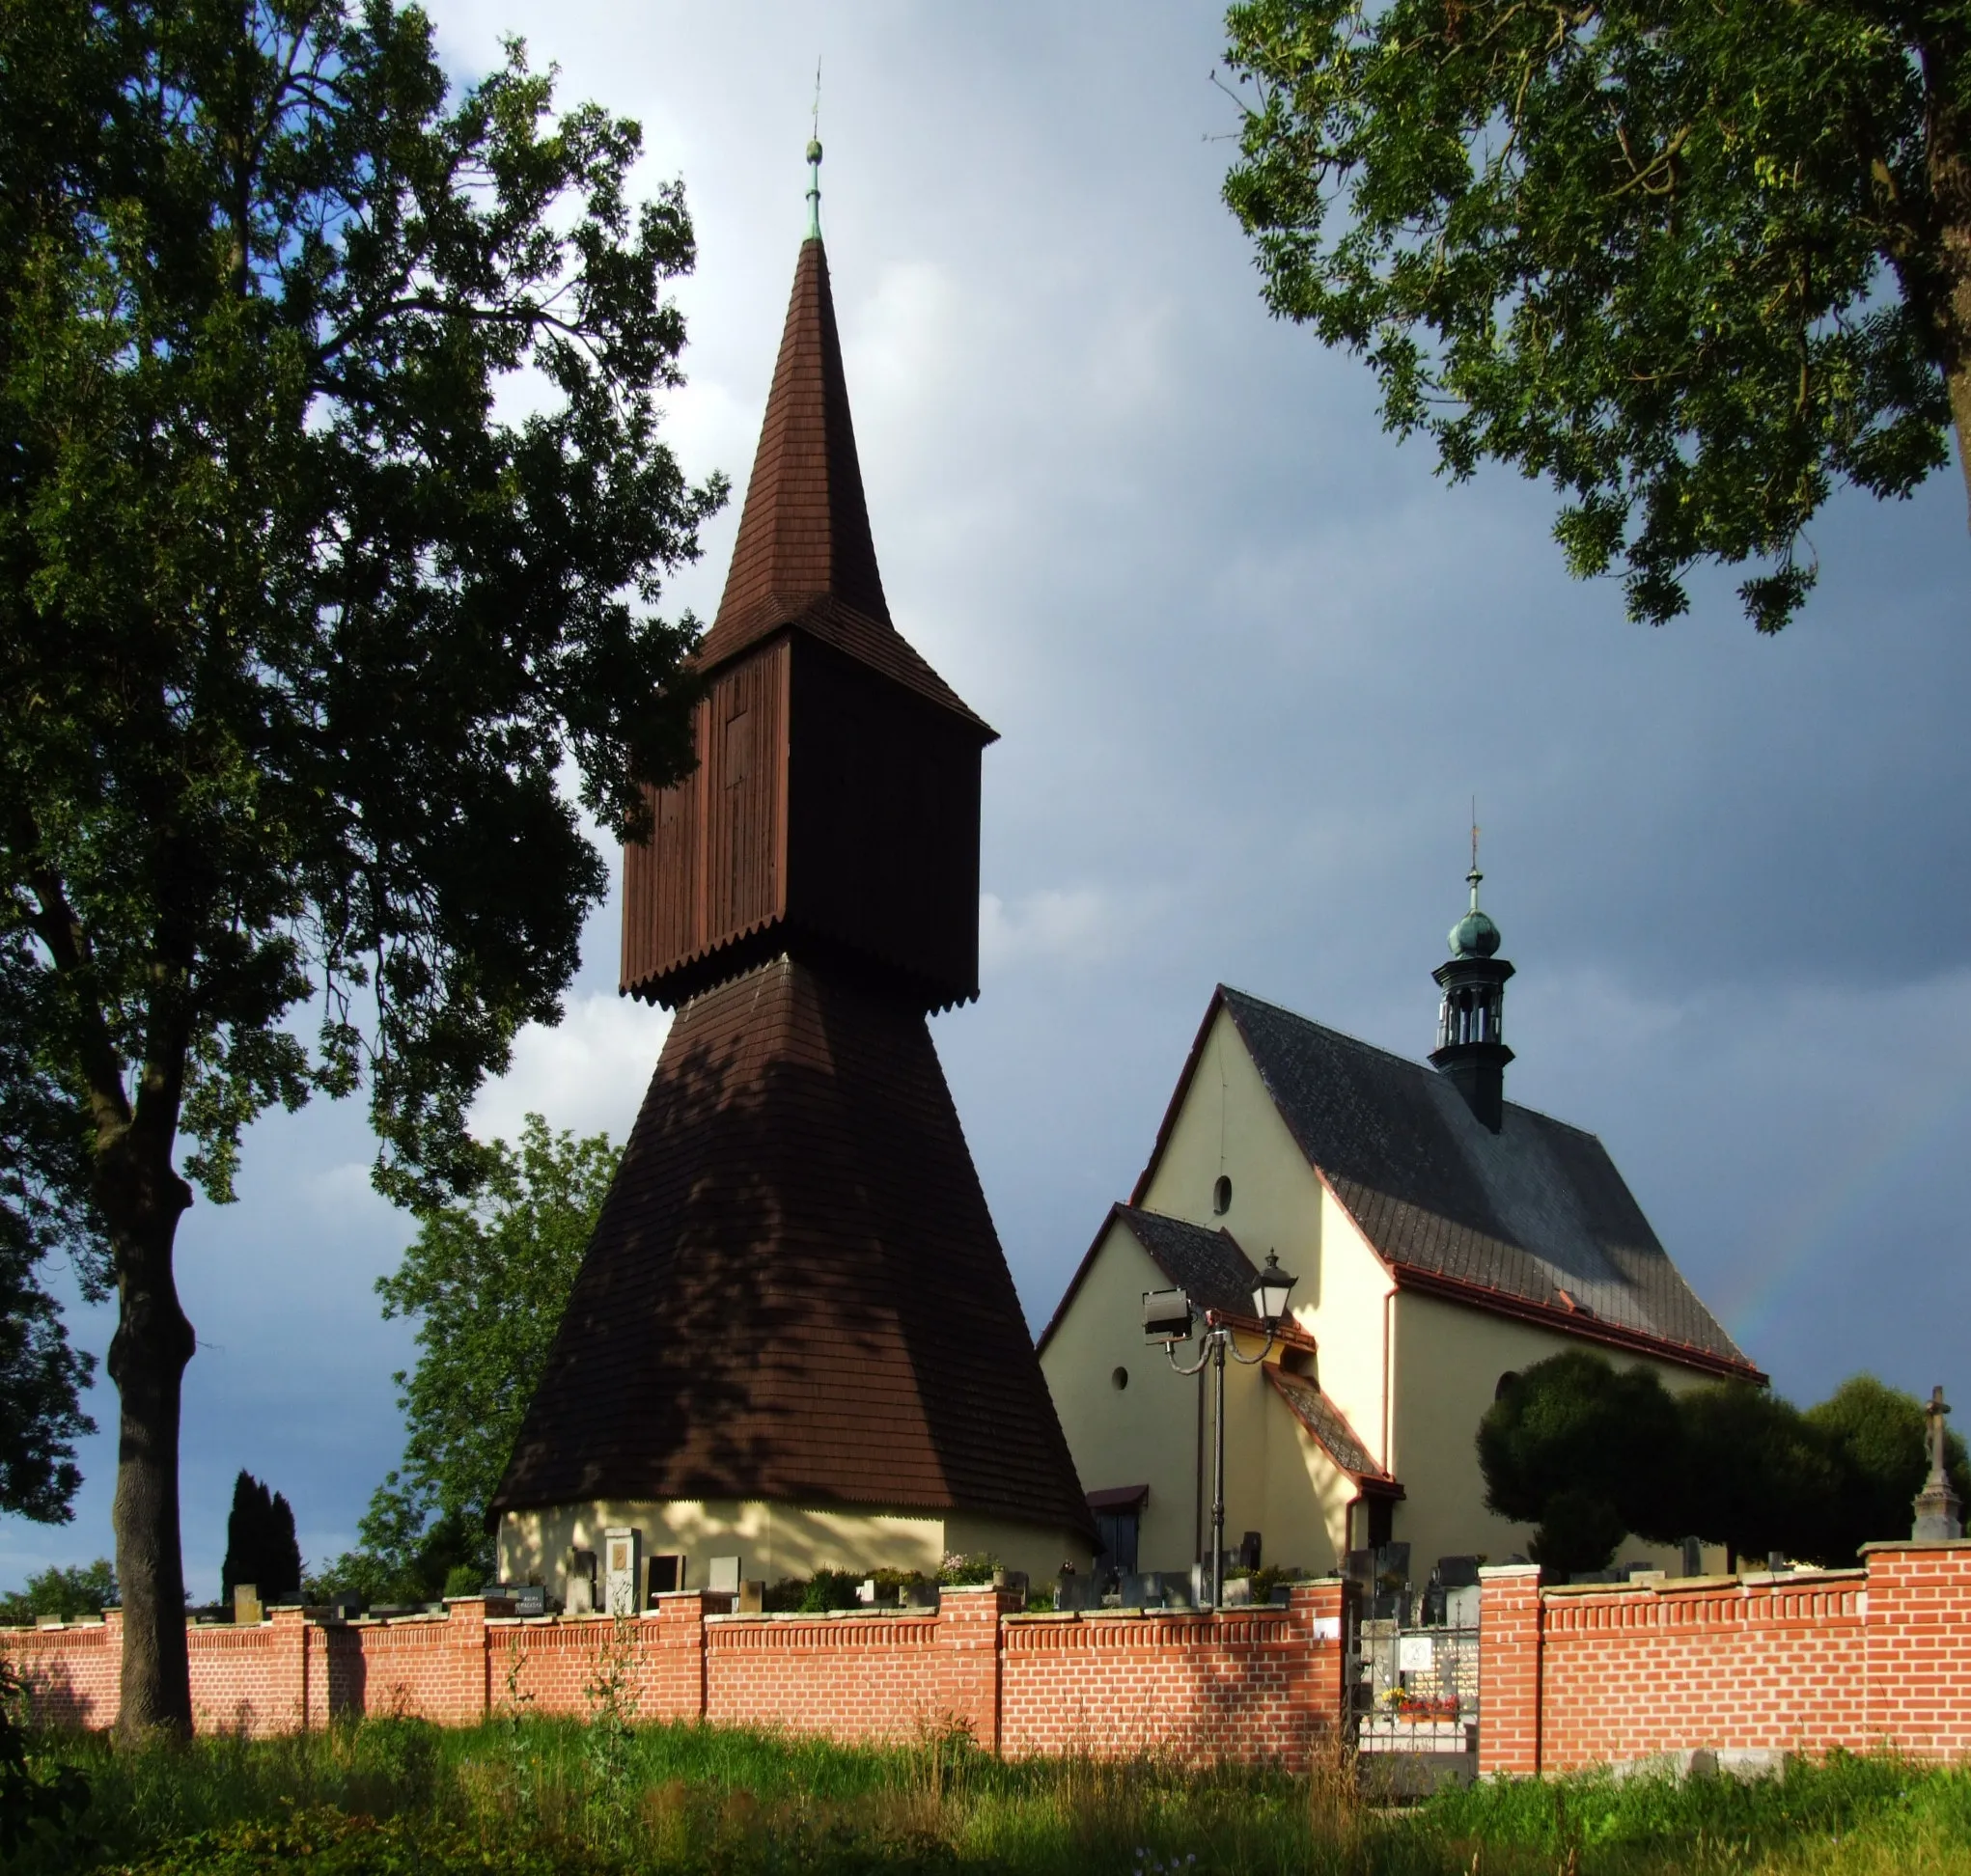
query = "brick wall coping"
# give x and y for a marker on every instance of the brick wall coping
(1918, 1544)
(888, 1611)
(1711, 1586)
(1494, 1572)
(1196, 1616)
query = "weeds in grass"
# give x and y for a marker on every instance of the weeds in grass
(526, 1794)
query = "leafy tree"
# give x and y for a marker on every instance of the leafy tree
(1692, 262)
(70, 1591)
(1882, 1439)
(486, 1279)
(301, 624)
(1756, 1476)
(40, 1797)
(1583, 1450)
(261, 1548)
(44, 1207)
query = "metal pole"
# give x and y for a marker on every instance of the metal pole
(1218, 1478)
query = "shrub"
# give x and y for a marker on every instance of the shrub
(71, 1593)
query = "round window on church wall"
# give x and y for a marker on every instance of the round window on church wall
(1119, 1379)
(1221, 1195)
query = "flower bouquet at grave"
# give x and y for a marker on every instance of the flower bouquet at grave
(1421, 1709)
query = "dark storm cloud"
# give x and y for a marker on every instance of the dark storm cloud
(1250, 660)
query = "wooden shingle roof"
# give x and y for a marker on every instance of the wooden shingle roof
(805, 559)
(795, 1291)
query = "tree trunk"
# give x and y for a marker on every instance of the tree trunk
(147, 1356)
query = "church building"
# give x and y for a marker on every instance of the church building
(1443, 1239)
(794, 1343)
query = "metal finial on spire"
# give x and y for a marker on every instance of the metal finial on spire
(1474, 876)
(814, 162)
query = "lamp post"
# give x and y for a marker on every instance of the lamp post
(1169, 1318)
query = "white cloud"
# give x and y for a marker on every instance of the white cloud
(1074, 925)
(587, 1075)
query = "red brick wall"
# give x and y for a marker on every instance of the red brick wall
(1919, 1648)
(74, 1676)
(1804, 1663)
(1509, 1670)
(1774, 1665)
(849, 1677)
(1257, 1685)
(1567, 1679)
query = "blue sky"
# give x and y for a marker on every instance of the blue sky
(1250, 660)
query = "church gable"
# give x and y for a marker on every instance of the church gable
(1533, 1218)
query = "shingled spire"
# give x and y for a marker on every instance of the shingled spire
(804, 532)
(794, 1294)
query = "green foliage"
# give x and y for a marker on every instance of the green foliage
(70, 1591)
(39, 1796)
(1882, 1439)
(485, 1280)
(705, 1800)
(1757, 1477)
(1590, 1453)
(825, 1591)
(259, 1543)
(1870, 1805)
(1691, 262)
(303, 619)
(1583, 1450)
(972, 1566)
(402, 1555)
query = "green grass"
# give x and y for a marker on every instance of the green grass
(540, 1797)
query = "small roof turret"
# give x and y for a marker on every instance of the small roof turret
(1474, 936)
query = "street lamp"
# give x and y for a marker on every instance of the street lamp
(1169, 1318)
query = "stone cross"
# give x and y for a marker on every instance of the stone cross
(1938, 1511)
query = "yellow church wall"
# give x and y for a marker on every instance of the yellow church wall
(1351, 1324)
(1142, 1434)
(1447, 1361)
(1229, 1125)
(774, 1540)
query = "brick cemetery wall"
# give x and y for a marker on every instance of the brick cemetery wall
(1801, 1663)
(1260, 1686)
(1805, 1662)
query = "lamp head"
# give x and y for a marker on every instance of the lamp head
(1274, 1289)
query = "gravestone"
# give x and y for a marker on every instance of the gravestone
(621, 1569)
(722, 1575)
(1078, 1592)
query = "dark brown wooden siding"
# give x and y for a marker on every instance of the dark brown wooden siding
(883, 829)
(715, 868)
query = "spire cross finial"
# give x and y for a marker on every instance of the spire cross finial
(814, 162)
(1474, 876)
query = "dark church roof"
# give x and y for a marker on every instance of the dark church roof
(1534, 1220)
(795, 1291)
(805, 559)
(1327, 1423)
(1207, 1265)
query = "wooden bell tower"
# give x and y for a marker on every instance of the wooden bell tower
(834, 812)
(794, 1294)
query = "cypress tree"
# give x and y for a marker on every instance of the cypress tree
(260, 1545)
